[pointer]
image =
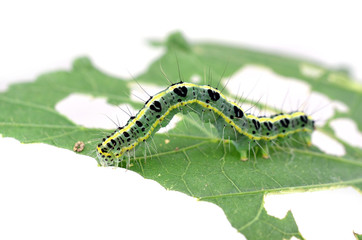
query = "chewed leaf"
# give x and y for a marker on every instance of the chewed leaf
(195, 157)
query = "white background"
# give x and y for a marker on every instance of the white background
(48, 193)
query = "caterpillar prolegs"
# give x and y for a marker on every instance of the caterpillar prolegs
(244, 130)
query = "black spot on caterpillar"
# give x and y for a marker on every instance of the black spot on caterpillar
(181, 91)
(245, 131)
(156, 106)
(238, 112)
(285, 122)
(213, 95)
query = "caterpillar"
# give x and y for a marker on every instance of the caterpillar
(244, 130)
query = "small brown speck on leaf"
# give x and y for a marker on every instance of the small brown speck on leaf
(78, 146)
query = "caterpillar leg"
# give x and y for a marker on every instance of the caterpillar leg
(112, 161)
(243, 155)
(117, 161)
(264, 150)
(308, 140)
(243, 148)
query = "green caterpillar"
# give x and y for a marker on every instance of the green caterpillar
(244, 130)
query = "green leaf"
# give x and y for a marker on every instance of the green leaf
(193, 160)
(358, 236)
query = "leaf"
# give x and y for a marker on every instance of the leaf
(358, 236)
(194, 160)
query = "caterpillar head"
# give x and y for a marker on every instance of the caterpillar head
(106, 152)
